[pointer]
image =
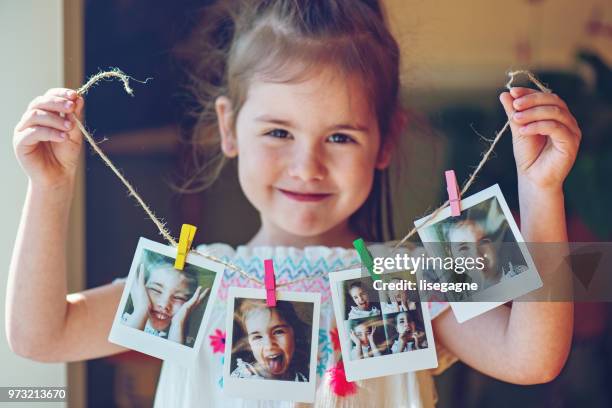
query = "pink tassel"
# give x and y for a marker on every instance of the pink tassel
(337, 381)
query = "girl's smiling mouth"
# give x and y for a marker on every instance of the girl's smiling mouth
(159, 315)
(303, 196)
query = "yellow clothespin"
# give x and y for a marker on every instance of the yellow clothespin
(187, 234)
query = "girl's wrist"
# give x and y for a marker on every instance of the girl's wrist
(61, 188)
(529, 189)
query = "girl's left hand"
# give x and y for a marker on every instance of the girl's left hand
(545, 136)
(371, 335)
(180, 317)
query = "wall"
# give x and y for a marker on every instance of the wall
(33, 60)
(470, 44)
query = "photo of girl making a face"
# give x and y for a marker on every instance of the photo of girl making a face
(484, 233)
(409, 335)
(162, 299)
(398, 300)
(365, 337)
(363, 306)
(271, 343)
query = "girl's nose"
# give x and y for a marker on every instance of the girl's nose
(268, 342)
(163, 302)
(307, 164)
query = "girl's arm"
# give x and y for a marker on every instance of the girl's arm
(529, 342)
(43, 322)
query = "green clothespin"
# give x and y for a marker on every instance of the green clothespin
(366, 257)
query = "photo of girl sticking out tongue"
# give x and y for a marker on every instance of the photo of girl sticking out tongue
(363, 307)
(162, 299)
(271, 343)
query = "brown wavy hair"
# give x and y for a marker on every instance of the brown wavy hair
(238, 40)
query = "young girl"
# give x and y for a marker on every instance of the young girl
(162, 298)
(469, 239)
(399, 300)
(362, 335)
(363, 307)
(306, 97)
(276, 339)
(409, 338)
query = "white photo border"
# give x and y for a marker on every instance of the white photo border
(162, 348)
(382, 365)
(253, 388)
(506, 290)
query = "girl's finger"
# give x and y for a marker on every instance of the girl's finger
(203, 295)
(53, 103)
(537, 99)
(195, 296)
(559, 134)
(39, 117)
(37, 134)
(519, 91)
(141, 274)
(546, 112)
(63, 92)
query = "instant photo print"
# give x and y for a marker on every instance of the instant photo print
(382, 331)
(271, 352)
(485, 230)
(163, 311)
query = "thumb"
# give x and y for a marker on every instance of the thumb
(80, 104)
(75, 132)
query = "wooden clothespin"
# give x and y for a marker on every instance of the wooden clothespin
(184, 246)
(454, 195)
(270, 282)
(366, 257)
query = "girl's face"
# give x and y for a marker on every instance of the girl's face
(168, 290)
(360, 297)
(271, 339)
(397, 295)
(469, 240)
(362, 331)
(402, 323)
(306, 152)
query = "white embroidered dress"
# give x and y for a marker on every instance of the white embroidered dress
(201, 385)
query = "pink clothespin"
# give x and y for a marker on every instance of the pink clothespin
(454, 196)
(270, 282)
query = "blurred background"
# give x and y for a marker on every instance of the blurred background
(455, 56)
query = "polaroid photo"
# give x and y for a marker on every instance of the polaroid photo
(382, 330)
(485, 230)
(163, 311)
(271, 352)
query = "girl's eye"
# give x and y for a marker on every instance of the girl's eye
(255, 337)
(180, 298)
(278, 133)
(155, 290)
(340, 138)
(278, 332)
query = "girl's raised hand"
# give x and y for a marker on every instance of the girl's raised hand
(545, 136)
(187, 307)
(355, 339)
(177, 327)
(371, 335)
(46, 140)
(139, 294)
(140, 301)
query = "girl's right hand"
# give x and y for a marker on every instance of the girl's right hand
(46, 144)
(355, 339)
(139, 294)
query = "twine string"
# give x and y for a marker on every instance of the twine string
(161, 226)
